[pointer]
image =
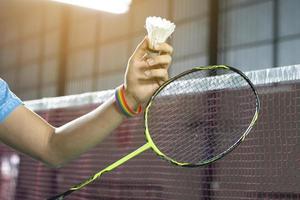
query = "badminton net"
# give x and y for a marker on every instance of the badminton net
(265, 166)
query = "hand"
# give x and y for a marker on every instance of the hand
(146, 71)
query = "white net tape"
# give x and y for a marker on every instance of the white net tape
(258, 77)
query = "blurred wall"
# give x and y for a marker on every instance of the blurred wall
(49, 49)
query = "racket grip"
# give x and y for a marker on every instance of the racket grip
(98, 174)
(61, 196)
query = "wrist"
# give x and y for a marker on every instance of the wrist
(130, 99)
(126, 102)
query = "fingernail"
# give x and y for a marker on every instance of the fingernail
(150, 61)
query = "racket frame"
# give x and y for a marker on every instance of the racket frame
(219, 156)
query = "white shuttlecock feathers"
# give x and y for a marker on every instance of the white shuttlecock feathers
(159, 29)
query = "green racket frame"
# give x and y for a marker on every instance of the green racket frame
(151, 144)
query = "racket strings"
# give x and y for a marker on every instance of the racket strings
(219, 110)
(180, 139)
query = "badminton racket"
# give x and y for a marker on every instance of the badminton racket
(195, 118)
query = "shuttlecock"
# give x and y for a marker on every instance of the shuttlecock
(159, 29)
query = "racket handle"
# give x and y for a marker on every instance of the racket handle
(98, 174)
(61, 196)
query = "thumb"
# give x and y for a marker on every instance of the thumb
(141, 49)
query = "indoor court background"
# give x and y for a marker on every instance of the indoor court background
(49, 49)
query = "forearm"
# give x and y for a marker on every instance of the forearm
(27, 132)
(79, 135)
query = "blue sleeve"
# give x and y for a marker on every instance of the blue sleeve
(8, 100)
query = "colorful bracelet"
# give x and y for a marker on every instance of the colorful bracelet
(122, 104)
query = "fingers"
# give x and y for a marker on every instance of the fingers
(163, 48)
(163, 60)
(157, 74)
(157, 68)
(152, 63)
(144, 48)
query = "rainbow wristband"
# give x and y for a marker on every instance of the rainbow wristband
(122, 104)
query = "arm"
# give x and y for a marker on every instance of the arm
(27, 132)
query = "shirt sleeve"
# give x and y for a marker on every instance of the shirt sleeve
(8, 100)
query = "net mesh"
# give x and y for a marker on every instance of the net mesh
(198, 117)
(265, 166)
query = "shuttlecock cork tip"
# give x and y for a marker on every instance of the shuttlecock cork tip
(158, 29)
